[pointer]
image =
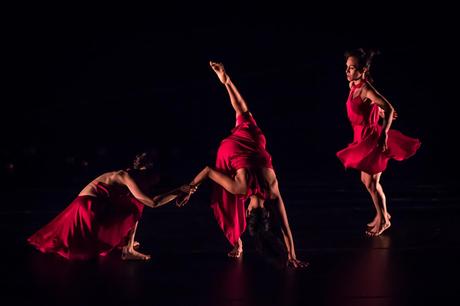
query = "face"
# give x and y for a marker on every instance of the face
(353, 74)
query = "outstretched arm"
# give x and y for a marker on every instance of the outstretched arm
(167, 197)
(156, 201)
(237, 185)
(238, 103)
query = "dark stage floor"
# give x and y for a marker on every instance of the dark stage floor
(414, 263)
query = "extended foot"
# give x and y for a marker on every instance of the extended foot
(131, 254)
(220, 71)
(237, 250)
(373, 223)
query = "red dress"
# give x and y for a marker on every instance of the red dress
(244, 148)
(363, 153)
(90, 226)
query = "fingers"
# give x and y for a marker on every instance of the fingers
(384, 147)
(188, 188)
(180, 202)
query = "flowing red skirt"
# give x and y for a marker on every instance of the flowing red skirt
(244, 148)
(89, 227)
(365, 155)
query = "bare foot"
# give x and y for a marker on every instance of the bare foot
(132, 254)
(237, 250)
(374, 222)
(220, 71)
(377, 230)
(297, 264)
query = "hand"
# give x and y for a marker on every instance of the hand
(395, 115)
(188, 188)
(186, 192)
(383, 141)
(182, 199)
(382, 114)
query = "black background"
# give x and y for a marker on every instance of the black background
(86, 88)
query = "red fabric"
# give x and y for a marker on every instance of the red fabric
(244, 148)
(363, 153)
(90, 226)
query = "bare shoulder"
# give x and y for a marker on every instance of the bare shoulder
(112, 177)
(120, 175)
(369, 87)
(350, 84)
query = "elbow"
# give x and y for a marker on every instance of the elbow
(387, 107)
(391, 109)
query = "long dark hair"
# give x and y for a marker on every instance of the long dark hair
(364, 58)
(267, 242)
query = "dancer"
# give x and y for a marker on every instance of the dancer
(104, 216)
(244, 171)
(374, 143)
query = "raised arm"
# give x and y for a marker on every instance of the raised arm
(238, 103)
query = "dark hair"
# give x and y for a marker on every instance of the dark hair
(364, 59)
(143, 160)
(268, 244)
(258, 221)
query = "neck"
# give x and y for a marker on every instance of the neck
(357, 81)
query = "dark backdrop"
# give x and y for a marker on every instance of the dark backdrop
(87, 89)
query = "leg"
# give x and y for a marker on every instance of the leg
(366, 179)
(237, 250)
(280, 209)
(382, 219)
(128, 252)
(238, 103)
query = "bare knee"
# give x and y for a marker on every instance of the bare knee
(370, 184)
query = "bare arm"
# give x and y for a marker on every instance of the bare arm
(372, 94)
(375, 97)
(282, 219)
(285, 228)
(167, 197)
(238, 185)
(154, 202)
(238, 103)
